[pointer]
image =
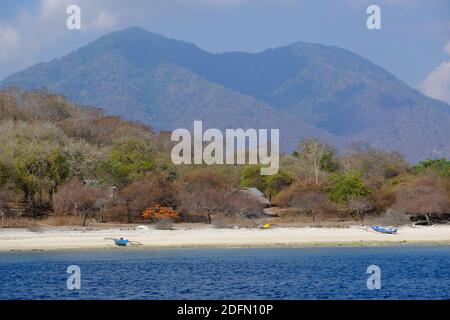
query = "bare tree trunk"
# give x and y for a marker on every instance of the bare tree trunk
(32, 205)
(128, 211)
(128, 215)
(316, 172)
(209, 216)
(427, 216)
(85, 214)
(28, 200)
(50, 197)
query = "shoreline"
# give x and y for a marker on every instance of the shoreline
(74, 238)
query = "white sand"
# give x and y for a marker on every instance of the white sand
(67, 238)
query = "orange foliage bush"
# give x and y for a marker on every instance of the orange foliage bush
(159, 213)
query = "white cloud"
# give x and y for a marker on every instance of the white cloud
(50, 7)
(447, 48)
(9, 40)
(41, 29)
(103, 20)
(437, 83)
(11, 49)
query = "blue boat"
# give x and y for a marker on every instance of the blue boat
(384, 230)
(121, 242)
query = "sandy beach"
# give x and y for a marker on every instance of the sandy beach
(70, 238)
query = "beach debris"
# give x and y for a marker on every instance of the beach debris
(384, 230)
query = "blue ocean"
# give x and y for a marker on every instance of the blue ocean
(275, 273)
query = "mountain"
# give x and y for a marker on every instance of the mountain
(305, 89)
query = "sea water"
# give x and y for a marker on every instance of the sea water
(271, 273)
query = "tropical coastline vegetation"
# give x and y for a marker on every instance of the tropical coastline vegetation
(70, 164)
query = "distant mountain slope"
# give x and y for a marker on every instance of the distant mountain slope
(170, 83)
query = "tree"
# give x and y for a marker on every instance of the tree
(422, 196)
(315, 156)
(275, 183)
(438, 167)
(144, 193)
(374, 164)
(8, 106)
(251, 177)
(346, 186)
(270, 185)
(204, 191)
(360, 206)
(84, 160)
(74, 197)
(105, 129)
(130, 158)
(33, 159)
(5, 198)
(309, 199)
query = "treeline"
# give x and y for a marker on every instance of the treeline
(58, 159)
(364, 181)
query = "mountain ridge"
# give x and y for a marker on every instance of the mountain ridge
(309, 90)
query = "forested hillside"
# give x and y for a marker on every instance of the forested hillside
(58, 159)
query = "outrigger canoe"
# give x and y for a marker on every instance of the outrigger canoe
(384, 230)
(121, 242)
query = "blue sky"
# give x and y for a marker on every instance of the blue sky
(413, 44)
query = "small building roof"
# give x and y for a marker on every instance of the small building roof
(257, 195)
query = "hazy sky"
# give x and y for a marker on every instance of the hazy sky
(413, 44)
